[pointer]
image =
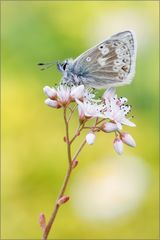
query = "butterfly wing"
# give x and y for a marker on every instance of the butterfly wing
(110, 63)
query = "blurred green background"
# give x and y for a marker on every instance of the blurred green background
(33, 151)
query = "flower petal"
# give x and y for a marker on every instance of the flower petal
(52, 103)
(127, 122)
(77, 92)
(119, 125)
(109, 93)
(50, 92)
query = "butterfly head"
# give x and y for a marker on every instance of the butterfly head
(62, 66)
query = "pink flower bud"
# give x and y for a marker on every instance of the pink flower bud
(81, 114)
(42, 221)
(90, 138)
(109, 127)
(78, 133)
(50, 92)
(52, 103)
(74, 163)
(128, 139)
(65, 139)
(118, 145)
(62, 200)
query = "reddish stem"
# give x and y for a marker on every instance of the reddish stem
(66, 180)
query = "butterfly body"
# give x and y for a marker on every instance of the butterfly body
(108, 64)
(70, 74)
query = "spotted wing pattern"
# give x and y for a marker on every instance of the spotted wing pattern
(110, 63)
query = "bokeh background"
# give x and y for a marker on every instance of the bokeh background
(112, 197)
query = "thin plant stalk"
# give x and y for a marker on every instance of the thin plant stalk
(67, 177)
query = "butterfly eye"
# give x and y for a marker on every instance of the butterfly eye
(64, 66)
(88, 59)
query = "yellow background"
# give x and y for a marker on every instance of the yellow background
(33, 151)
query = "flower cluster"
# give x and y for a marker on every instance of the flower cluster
(110, 112)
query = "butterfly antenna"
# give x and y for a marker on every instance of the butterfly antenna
(44, 66)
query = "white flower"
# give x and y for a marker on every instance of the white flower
(52, 103)
(116, 111)
(128, 139)
(50, 92)
(90, 138)
(77, 92)
(89, 109)
(109, 127)
(118, 145)
(63, 93)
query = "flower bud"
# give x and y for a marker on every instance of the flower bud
(52, 103)
(109, 127)
(74, 163)
(81, 114)
(128, 139)
(50, 92)
(65, 139)
(42, 221)
(78, 133)
(118, 145)
(62, 200)
(90, 138)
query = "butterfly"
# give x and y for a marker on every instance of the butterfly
(111, 63)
